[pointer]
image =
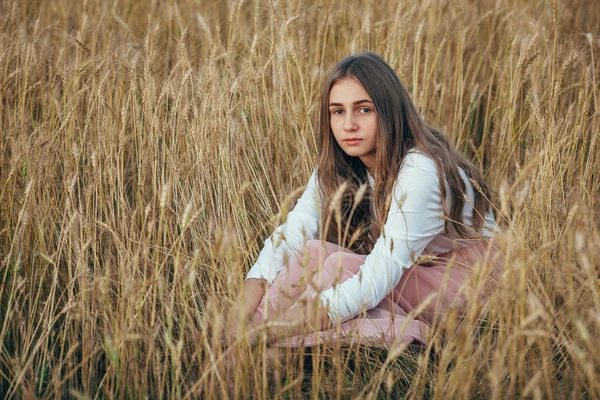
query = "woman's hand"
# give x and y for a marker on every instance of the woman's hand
(240, 317)
(252, 293)
(305, 313)
(237, 327)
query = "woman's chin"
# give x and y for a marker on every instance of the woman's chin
(354, 153)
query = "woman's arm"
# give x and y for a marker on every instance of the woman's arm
(415, 217)
(301, 223)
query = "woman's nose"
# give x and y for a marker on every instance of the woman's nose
(349, 123)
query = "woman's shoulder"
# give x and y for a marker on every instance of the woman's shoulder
(417, 159)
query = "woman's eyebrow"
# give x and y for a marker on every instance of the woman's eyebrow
(355, 103)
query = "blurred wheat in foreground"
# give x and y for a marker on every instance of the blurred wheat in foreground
(147, 148)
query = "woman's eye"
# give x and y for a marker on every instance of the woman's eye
(337, 111)
(365, 110)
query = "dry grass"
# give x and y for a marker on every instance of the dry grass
(146, 150)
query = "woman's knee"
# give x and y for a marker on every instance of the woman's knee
(323, 249)
(310, 253)
(332, 268)
(313, 246)
(334, 259)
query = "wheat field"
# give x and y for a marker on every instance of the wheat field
(147, 149)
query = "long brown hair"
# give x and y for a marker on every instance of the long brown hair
(345, 193)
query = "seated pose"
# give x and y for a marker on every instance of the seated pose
(387, 189)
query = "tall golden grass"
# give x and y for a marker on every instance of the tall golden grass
(149, 147)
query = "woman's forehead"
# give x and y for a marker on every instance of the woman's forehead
(348, 89)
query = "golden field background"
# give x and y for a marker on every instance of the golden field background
(149, 147)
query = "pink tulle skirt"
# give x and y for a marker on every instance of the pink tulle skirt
(423, 296)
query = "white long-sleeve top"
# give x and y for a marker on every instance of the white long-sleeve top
(414, 226)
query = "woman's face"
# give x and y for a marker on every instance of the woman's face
(354, 120)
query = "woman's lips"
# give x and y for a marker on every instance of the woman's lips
(352, 142)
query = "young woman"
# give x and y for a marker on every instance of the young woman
(387, 189)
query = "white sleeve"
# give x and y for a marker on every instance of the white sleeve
(413, 220)
(302, 222)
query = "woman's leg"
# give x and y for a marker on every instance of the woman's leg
(292, 281)
(450, 277)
